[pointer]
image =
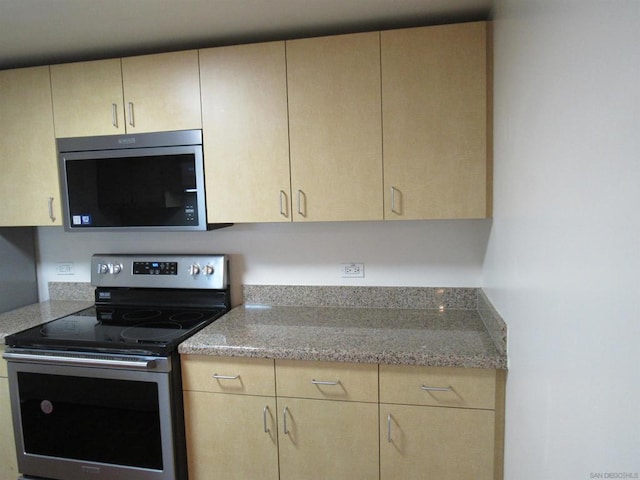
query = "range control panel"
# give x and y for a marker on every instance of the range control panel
(155, 268)
(160, 271)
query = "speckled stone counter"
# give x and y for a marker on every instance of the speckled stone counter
(65, 298)
(452, 337)
(31, 315)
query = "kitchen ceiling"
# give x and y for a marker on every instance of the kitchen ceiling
(37, 32)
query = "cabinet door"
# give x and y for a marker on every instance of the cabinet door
(162, 92)
(436, 108)
(246, 137)
(445, 443)
(87, 98)
(29, 186)
(230, 437)
(335, 127)
(328, 439)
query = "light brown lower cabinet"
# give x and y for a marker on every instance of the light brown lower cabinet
(328, 420)
(296, 420)
(444, 423)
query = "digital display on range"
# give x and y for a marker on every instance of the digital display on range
(155, 268)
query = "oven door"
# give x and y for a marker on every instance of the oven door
(73, 420)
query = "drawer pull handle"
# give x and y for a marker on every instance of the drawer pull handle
(264, 418)
(389, 428)
(225, 377)
(320, 382)
(284, 416)
(436, 389)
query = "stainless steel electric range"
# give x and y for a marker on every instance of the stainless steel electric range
(98, 393)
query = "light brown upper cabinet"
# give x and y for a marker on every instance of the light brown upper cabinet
(162, 92)
(436, 113)
(148, 93)
(245, 133)
(87, 98)
(335, 128)
(29, 191)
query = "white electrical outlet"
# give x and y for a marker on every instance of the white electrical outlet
(352, 270)
(65, 268)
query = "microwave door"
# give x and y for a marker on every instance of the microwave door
(136, 189)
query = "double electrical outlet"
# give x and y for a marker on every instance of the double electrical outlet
(352, 270)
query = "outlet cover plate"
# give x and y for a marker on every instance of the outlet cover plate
(65, 268)
(352, 270)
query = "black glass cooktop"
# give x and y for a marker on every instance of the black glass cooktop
(134, 330)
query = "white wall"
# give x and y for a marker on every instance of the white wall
(428, 253)
(563, 260)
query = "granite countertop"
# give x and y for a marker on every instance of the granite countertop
(387, 325)
(37, 313)
(451, 337)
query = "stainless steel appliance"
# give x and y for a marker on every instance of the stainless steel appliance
(142, 182)
(97, 394)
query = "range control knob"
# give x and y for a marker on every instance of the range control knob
(208, 270)
(103, 268)
(194, 269)
(116, 268)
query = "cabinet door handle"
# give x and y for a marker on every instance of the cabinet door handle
(51, 215)
(427, 388)
(389, 428)
(114, 114)
(394, 208)
(302, 203)
(131, 120)
(285, 412)
(320, 382)
(283, 205)
(264, 418)
(225, 377)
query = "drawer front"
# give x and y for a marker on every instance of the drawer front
(354, 382)
(438, 386)
(248, 376)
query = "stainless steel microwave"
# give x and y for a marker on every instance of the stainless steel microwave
(149, 181)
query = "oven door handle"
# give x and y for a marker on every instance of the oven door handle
(80, 361)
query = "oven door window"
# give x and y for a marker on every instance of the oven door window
(91, 419)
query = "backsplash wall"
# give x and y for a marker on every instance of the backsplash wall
(412, 253)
